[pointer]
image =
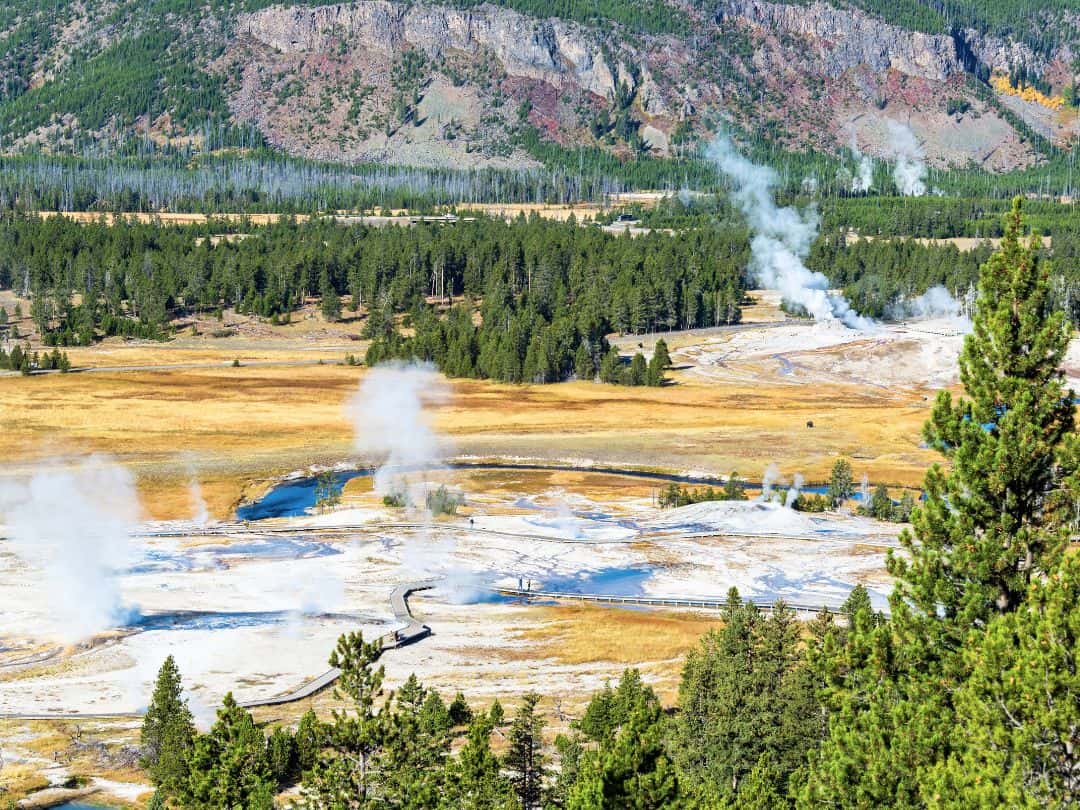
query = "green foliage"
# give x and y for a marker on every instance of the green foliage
(1014, 739)
(882, 506)
(673, 495)
(745, 691)
(841, 482)
(474, 780)
(343, 773)
(460, 712)
(229, 766)
(811, 502)
(547, 292)
(525, 761)
(645, 16)
(910, 698)
(442, 501)
(168, 732)
(327, 490)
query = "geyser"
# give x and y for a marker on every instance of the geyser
(910, 170)
(781, 239)
(390, 424)
(71, 524)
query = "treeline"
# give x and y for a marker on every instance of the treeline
(881, 276)
(545, 295)
(642, 16)
(136, 175)
(25, 361)
(673, 495)
(546, 292)
(936, 217)
(876, 275)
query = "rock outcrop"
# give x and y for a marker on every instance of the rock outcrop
(553, 51)
(846, 38)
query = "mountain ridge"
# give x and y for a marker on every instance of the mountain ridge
(457, 84)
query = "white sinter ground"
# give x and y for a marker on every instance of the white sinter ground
(258, 615)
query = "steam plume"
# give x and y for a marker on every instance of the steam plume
(793, 492)
(71, 525)
(390, 424)
(936, 302)
(781, 238)
(864, 172)
(910, 170)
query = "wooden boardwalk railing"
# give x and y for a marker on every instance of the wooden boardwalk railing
(701, 603)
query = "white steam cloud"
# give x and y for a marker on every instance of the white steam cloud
(391, 426)
(864, 169)
(390, 416)
(781, 238)
(936, 302)
(793, 492)
(910, 170)
(71, 524)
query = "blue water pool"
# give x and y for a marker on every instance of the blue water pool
(627, 581)
(293, 497)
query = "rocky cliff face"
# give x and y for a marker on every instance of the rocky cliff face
(846, 39)
(550, 51)
(813, 75)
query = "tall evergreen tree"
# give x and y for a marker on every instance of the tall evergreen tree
(841, 482)
(474, 780)
(993, 524)
(168, 731)
(229, 765)
(342, 775)
(525, 758)
(745, 691)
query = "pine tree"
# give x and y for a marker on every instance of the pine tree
(762, 788)
(229, 765)
(496, 714)
(474, 780)
(168, 731)
(525, 758)
(841, 482)
(984, 530)
(630, 769)
(460, 712)
(1016, 740)
(992, 525)
(308, 739)
(744, 691)
(638, 372)
(733, 488)
(660, 354)
(342, 775)
(610, 366)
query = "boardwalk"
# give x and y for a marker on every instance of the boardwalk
(410, 631)
(701, 603)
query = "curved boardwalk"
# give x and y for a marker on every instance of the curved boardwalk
(411, 631)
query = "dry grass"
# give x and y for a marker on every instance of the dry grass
(239, 426)
(21, 779)
(589, 635)
(170, 218)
